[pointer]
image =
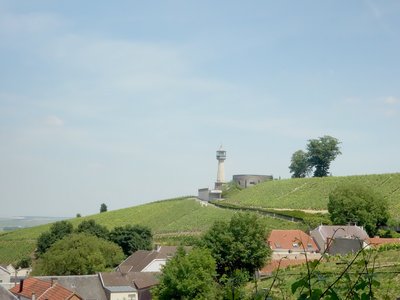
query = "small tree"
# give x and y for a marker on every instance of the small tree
(103, 208)
(321, 152)
(238, 244)
(360, 205)
(132, 238)
(299, 164)
(188, 276)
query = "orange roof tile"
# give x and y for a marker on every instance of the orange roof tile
(284, 263)
(57, 292)
(377, 241)
(31, 285)
(43, 290)
(294, 240)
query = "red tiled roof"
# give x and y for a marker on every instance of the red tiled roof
(294, 240)
(284, 263)
(43, 290)
(31, 285)
(57, 292)
(377, 241)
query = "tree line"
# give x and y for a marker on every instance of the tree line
(88, 249)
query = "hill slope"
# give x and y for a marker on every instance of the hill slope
(169, 218)
(312, 193)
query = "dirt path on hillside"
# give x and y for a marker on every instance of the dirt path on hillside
(309, 211)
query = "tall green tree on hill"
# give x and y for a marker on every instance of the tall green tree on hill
(359, 205)
(299, 164)
(103, 208)
(320, 153)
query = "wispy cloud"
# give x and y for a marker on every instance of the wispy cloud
(391, 100)
(53, 121)
(17, 23)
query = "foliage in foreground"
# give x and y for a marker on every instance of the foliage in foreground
(79, 254)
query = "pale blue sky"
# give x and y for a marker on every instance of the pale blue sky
(126, 102)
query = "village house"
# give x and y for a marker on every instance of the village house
(289, 248)
(340, 239)
(89, 287)
(292, 244)
(148, 261)
(128, 286)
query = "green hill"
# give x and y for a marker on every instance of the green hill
(312, 193)
(169, 220)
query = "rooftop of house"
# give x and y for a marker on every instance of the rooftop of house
(142, 258)
(341, 231)
(42, 290)
(87, 286)
(295, 240)
(377, 241)
(6, 295)
(120, 281)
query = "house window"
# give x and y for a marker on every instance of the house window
(277, 245)
(309, 246)
(131, 296)
(295, 245)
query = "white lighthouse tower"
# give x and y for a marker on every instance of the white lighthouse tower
(221, 156)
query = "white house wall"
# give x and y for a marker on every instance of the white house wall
(155, 265)
(124, 296)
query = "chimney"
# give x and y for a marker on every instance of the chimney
(21, 285)
(53, 281)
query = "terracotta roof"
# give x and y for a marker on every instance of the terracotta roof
(42, 289)
(57, 292)
(377, 241)
(31, 285)
(295, 240)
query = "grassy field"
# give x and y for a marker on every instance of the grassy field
(312, 193)
(386, 271)
(169, 220)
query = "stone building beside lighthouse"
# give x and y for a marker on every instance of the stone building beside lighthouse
(205, 193)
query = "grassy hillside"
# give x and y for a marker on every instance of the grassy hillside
(312, 193)
(169, 218)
